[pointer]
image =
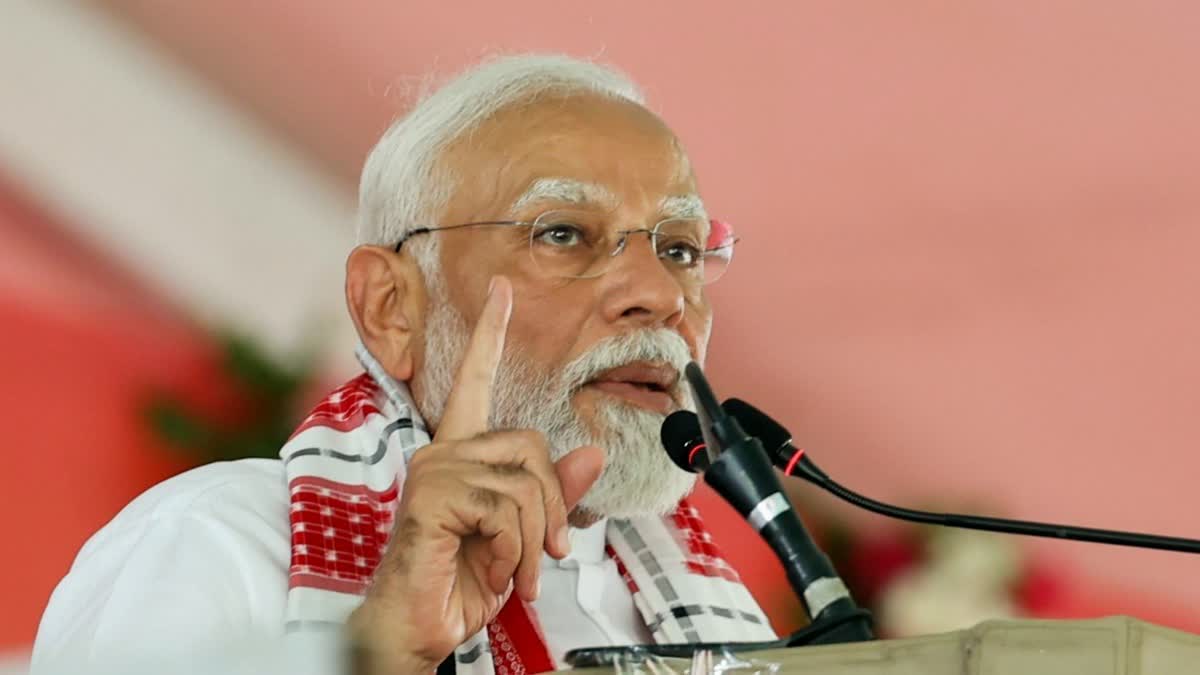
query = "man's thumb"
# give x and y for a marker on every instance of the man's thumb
(577, 471)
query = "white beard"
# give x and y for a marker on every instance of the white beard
(638, 479)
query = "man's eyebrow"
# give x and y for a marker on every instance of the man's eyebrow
(688, 206)
(565, 190)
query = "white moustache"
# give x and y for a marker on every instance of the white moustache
(655, 345)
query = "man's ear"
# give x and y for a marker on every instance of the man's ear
(385, 294)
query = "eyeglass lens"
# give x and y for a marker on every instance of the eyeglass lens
(583, 245)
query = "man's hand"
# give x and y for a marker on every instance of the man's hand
(476, 512)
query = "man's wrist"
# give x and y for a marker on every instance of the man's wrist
(369, 653)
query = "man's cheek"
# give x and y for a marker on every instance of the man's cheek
(550, 336)
(696, 331)
(529, 341)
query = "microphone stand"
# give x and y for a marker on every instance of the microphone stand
(740, 471)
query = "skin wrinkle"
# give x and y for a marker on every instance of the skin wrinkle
(555, 322)
(557, 191)
(415, 310)
(554, 189)
(492, 159)
(641, 479)
(485, 498)
(408, 529)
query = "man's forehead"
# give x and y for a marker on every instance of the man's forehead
(577, 192)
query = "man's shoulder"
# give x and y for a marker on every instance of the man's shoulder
(262, 480)
(200, 559)
(241, 492)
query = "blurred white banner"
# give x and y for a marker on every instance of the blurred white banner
(160, 172)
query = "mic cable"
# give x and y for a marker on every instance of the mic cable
(684, 435)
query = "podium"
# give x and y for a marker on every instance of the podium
(1110, 646)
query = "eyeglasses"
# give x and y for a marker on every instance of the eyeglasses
(578, 245)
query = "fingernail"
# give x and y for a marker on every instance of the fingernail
(491, 285)
(537, 588)
(564, 543)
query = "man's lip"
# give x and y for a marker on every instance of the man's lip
(656, 375)
(647, 385)
(661, 402)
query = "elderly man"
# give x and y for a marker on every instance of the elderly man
(491, 492)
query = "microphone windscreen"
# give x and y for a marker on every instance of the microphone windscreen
(770, 433)
(680, 433)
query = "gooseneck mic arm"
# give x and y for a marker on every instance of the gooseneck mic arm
(806, 469)
(739, 470)
(778, 442)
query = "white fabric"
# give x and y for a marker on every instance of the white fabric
(200, 563)
(196, 564)
(346, 467)
(155, 582)
(584, 602)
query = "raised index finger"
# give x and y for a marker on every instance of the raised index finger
(470, 401)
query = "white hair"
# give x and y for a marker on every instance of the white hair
(403, 184)
(638, 478)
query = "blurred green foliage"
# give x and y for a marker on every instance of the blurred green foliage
(270, 390)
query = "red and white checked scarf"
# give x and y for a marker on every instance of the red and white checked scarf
(345, 468)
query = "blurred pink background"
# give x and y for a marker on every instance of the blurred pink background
(967, 270)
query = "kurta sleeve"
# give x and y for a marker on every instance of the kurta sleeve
(198, 565)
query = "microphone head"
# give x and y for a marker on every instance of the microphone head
(774, 437)
(707, 406)
(719, 428)
(682, 440)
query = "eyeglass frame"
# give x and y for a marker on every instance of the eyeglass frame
(618, 250)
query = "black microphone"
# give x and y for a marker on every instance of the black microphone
(777, 441)
(740, 471)
(682, 439)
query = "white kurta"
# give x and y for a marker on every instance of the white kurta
(199, 563)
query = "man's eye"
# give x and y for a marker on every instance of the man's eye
(681, 254)
(562, 235)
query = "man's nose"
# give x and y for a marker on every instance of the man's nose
(639, 288)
